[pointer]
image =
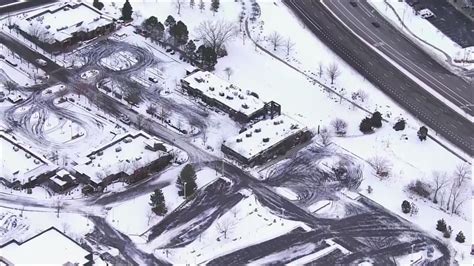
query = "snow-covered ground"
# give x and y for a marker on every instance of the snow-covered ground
(135, 217)
(251, 223)
(424, 30)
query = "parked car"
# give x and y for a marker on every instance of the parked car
(152, 79)
(41, 62)
(125, 119)
(169, 50)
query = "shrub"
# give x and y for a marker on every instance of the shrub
(420, 188)
(460, 237)
(406, 206)
(441, 225)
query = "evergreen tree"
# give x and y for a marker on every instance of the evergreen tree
(188, 177)
(127, 11)
(460, 237)
(215, 6)
(190, 48)
(400, 125)
(207, 57)
(157, 202)
(170, 21)
(441, 225)
(150, 23)
(406, 206)
(97, 4)
(422, 133)
(366, 125)
(179, 32)
(376, 119)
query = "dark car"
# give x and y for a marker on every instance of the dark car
(353, 3)
(376, 24)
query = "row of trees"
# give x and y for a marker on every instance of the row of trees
(447, 230)
(214, 34)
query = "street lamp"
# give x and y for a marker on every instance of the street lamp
(184, 190)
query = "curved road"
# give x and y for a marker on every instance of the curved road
(380, 72)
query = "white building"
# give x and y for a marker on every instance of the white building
(50, 247)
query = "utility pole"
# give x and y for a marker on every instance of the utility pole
(222, 169)
(184, 190)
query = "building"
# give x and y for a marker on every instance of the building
(50, 247)
(20, 166)
(242, 106)
(266, 139)
(60, 27)
(62, 181)
(122, 158)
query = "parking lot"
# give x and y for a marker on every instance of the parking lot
(450, 21)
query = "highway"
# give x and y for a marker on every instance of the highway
(402, 50)
(9, 6)
(393, 82)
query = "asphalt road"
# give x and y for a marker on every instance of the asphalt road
(393, 43)
(8, 6)
(380, 72)
(450, 21)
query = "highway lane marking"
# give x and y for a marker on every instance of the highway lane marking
(363, 8)
(458, 98)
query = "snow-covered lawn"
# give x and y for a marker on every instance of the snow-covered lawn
(251, 223)
(134, 217)
(89, 74)
(287, 193)
(30, 223)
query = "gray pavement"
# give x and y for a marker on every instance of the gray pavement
(411, 96)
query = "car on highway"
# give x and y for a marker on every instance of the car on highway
(41, 62)
(152, 79)
(376, 24)
(353, 3)
(125, 119)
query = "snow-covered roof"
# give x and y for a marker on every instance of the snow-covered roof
(58, 181)
(17, 162)
(121, 154)
(251, 142)
(50, 247)
(61, 23)
(224, 92)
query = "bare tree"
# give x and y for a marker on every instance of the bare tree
(192, 3)
(141, 121)
(164, 114)
(150, 214)
(228, 71)
(340, 126)
(333, 72)
(178, 4)
(216, 33)
(363, 96)
(225, 226)
(457, 194)
(136, 15)
(439, 181)
(275, 40)
(58, 205)
(320, 69)
(204, 137)
(289, 45)
(9, 86)
(235, 212)
(202, 6)
(38, 31)
(381, 166)
(325, 136)
(151, 109)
